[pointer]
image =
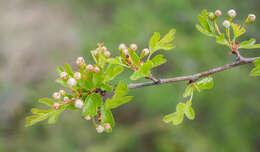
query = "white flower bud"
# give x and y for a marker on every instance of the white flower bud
(80, 61)
(126, 52)
(63, 75)
(100, 129)
(232, 13)
(90, 67)
(146, 51)
(87, 117)
(104, 49)
(251, 17)
(62, 92)
(226, 24)
(56, 105)
(211, 15)
(96, 69)
(56, 95)
(133, 47)
(107, 53)
(122, 47)
(218, 13)
(72, 82)
(66, 99)
(77, 75)
(107, 126)
(79, 103)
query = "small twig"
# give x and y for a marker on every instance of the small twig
(194, 77)
(156, 81)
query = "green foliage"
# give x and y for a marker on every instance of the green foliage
(256, 70)
(185, 108)
(205, 26)
(250, 44)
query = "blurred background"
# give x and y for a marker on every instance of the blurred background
(37, 35)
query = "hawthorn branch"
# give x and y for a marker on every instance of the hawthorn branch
(192, 78)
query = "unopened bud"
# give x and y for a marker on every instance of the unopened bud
(226, 24)
(77, 75)
(79, 104)
(62, 92)
(63, 75)
(80, 61)
(218, 13)
(56, 105)
(104, 49)
(56, 95)
(87, 117)
(146, 51)
(107, 53)
(251, 17)
(133, 47)
(66, 99)
(122, 47)
(90, 67)
(232, 13)
(126, 52)
(73, 99)
(100, 129)
(211, 15)
(72, 82)
(107, 126)
(96, 69)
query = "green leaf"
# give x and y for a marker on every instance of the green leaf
(107, 117)
(158, 60)
(31, 120)
(222, 39)
(119, 97)
(98, 78)
(189, 112)
(39, 111)
(59, 69)
(188, 91)
(206, 83)
(46, 101)
(68, 69)
(92, 102)
(53, 118)
(205, 27)
(257, 63)
(137, 75)
(255, 71)
(156, 44)
(112, 71)
(204, 31)
(250, 44)
(177, 117)
(62, 82)
(238, 31)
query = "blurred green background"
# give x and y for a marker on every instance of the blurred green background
(37, 35)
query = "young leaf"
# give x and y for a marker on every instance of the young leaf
(119, 97)
(31, 120)
(158, 60)
(59, 69)
(222, 40)
(46, 101)
(68, 69)
(137, 75)
(205, 27)
(189, 112)
(250, 44)
(255, 71)
(62, 82)
(188, 91)
(112, 71)
(107, 117)
(238, 31)
(92, 102)
(177, 117)
(206, 83)
(156, 44)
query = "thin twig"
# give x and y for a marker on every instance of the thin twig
(195, 77)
